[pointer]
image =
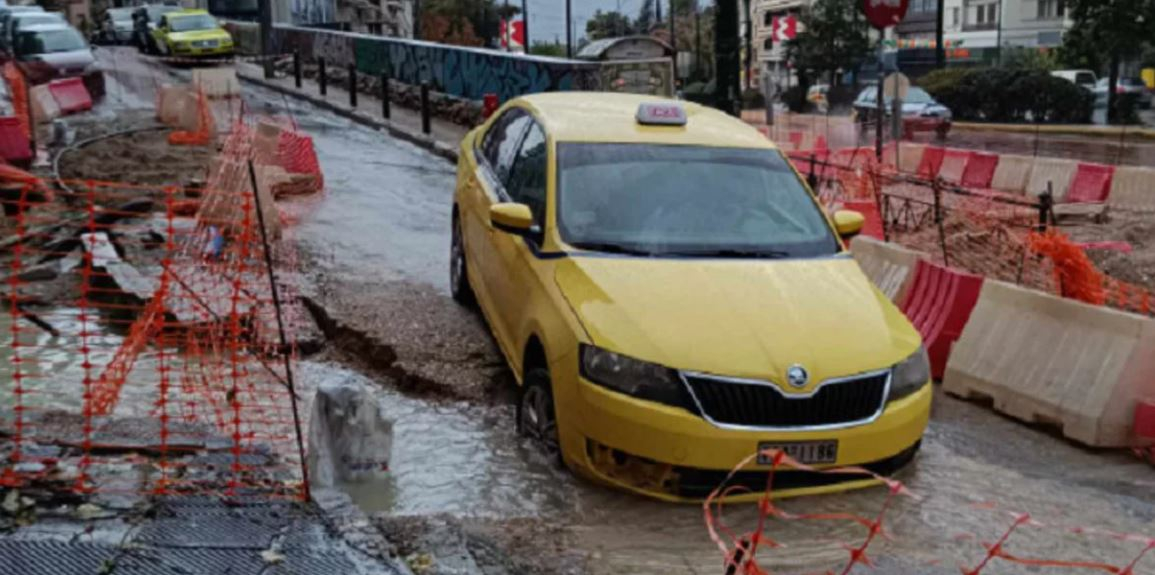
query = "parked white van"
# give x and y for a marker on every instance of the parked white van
(1083, 78)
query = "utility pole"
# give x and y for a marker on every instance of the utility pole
(265, 12)
(416, 19)
(569, 28)
(674, 35)
(999, 37)
(750, 46)
(939, 45)
(727, 67)
(525, 24)
(697, 42)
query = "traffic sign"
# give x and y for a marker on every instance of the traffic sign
(883, 14)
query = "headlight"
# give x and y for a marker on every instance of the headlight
(909, 375)
(632, 377)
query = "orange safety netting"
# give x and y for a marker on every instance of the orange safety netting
(1077, 277)
(740, 549)
(134, 329)
(205, 126)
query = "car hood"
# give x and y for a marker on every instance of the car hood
(67, 60)
(192, 35)
(741, 318)
(924, 110)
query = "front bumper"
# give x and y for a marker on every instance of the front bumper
(209, 52)
(671, 454)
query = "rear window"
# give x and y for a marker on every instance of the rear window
(1084, 78)
(63, 40)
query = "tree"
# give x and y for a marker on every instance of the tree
(646, 17)
(608, 25)
(548, 49)
(831, 38)
(1114, 29)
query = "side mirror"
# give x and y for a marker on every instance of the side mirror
(848, 223)
(513, 218)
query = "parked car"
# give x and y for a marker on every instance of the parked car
(920, 111)
(50, 51)
(192, 33)
(116, 26)
(1082, 78)
(1125, 85)
(20, 20)
(672, 298)
(6, 13)
(144, 21)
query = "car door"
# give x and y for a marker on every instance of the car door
(494, 155)
(515, 257)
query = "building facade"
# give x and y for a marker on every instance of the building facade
(774, 22)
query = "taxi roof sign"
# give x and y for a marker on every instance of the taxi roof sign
(661, 114)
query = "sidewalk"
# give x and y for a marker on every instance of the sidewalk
(403, 123)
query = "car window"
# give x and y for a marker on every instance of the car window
(917, 95)
(163, 22)
(1084, 78)
(687, 200)
(196, 22)
(527, 180)
(63, 40)
(502, 139)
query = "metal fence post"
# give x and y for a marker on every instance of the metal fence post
(352, 85)
(321, 79)
(426, 126)
(297, 68)
(385, 111)
(812, 179)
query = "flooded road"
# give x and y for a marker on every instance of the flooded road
(383, 222)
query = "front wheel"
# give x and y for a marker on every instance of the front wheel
(458, 273)
(536, 417)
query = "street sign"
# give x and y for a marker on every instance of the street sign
(783, 28)
(512, 35)
(896, 85)
(883, 14)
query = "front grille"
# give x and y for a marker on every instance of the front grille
(205, 44)
(764, 405)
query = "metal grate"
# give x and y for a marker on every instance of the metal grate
(728, 402)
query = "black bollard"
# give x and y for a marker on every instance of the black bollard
(426, 126)
(321, 79)
(352, 86)
(385, 111)
(297, 68)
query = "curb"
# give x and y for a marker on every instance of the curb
(441, 149)
(1061, 130)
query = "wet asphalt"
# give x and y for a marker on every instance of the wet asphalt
(381, 229)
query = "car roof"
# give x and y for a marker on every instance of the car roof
(25, 15)
(611, 117)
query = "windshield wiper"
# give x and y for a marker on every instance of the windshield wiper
(733, 253)
(611, 248)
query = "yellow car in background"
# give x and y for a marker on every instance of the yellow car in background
(672, 299)
(192, 33)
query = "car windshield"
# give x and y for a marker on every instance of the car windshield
(188, 23)
(35, 19)
(916, 95)
(155, 12)
(62, 40)
(1134, 82)
(686, 200)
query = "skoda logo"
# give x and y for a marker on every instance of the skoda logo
(796, 376)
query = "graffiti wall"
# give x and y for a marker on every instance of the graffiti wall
(462, 72)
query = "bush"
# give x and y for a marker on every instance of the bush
(753, 99)
(1009, 95)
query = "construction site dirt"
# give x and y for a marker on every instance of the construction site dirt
(467, 495)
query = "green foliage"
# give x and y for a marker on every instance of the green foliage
(1009, 95)
(609, 25)
(795, 99)
(1024, 58)
(646, 17)
(1106, 32)
(835, 38)
(548, 49)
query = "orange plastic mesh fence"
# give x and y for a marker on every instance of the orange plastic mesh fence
(132, 329)
(205, 126)
(741, 549)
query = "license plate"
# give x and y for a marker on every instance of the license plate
(809, 452)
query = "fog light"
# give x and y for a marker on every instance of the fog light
(639, 472)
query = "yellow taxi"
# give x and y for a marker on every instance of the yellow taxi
(672, 299)
(192, 33)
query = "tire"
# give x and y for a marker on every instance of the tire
(458, 271)
(536, 416)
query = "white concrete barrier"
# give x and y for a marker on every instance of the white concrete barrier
(44, 106)
(217, 82)
(889, 266)
(350, 439)
(170, 103)
(909, 157)
(1012, 174)
(1055, 172)
(1133, 188)
(1044, 359)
